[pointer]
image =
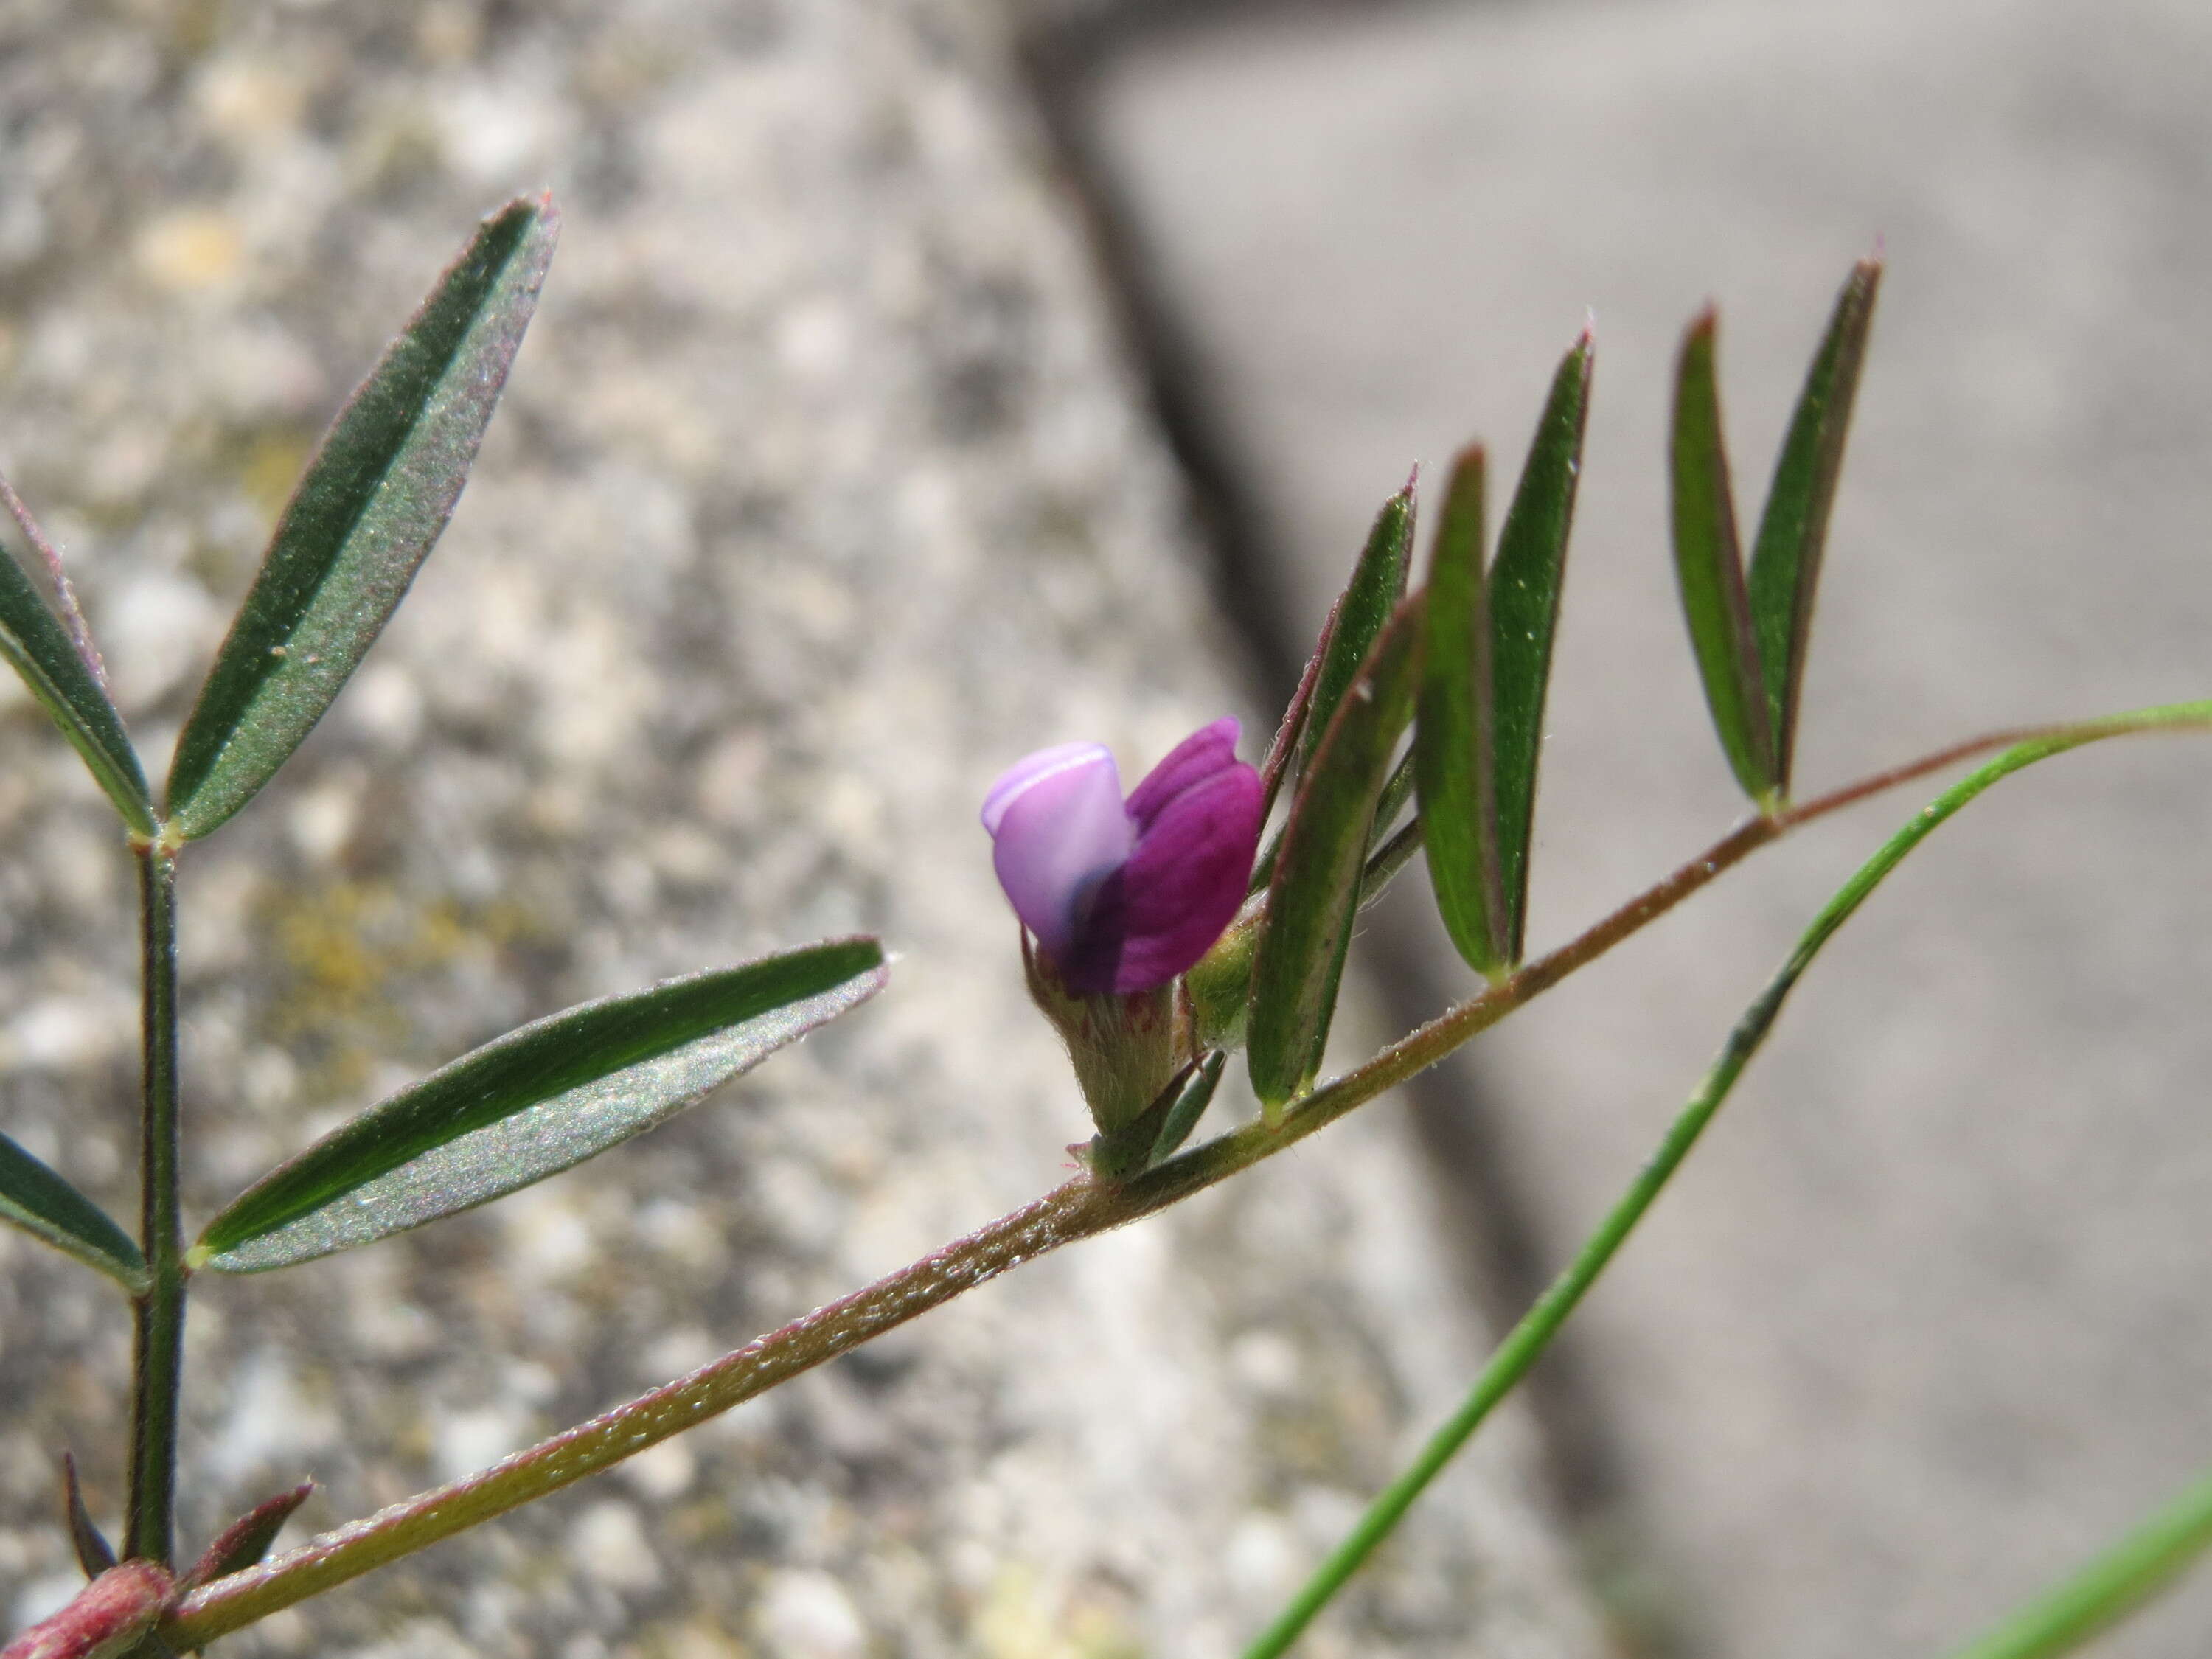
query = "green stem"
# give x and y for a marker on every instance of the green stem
(2110, 1588)
(1528, 1339)
(159, 1322)
(1081, 1209)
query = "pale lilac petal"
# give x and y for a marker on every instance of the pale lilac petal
(1163, 909)
(1033, 769)
(1059, 832)
(1209, 750)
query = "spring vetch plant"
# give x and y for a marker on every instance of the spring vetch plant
(1157, 935)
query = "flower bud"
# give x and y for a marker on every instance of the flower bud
(1122, 895)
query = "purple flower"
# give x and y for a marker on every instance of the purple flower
(1123, 896)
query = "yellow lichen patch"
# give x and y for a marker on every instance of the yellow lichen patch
(249, 100)
(190, 249)
(1020, 1618)
(344, 952)
(271, 467)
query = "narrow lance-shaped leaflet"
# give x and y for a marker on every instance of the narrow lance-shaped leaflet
(1709, 569)
(1525, 582)
(46, 1206)
(1371, 593)
(369, 508)
(1452, 730)
(1316, 890)
(40, 650)
(1793, 530)
(533, 1103)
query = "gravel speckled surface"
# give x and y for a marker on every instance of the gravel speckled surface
(820, 491)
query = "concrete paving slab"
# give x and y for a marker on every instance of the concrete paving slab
(1925, 1322)
(823, 490)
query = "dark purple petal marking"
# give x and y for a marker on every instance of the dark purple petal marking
(1163, 909)
(1209, 750)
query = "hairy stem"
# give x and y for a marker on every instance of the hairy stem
(1081, 1209)
(159, 1314)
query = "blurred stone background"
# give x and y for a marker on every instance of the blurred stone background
(822, 489)
(831, 477)
(1925, 1321)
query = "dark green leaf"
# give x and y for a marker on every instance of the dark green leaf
(367, 511)
(1189, 1107)
(534, 1103)
(247, 1540)
(95, 1554)
(1452, 736)
(1785, 563)
(1525, 581)
(1315, 889)
(35, 1198)
(1378, 584)
(1709, 568)
(39, 648)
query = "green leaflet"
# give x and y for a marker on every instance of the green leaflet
(1315, 889)
(1524, 587)
(365, 515)
(1793, 530)
(1709, 569)
(44, 1206)
(1376, 586)
(38, 647)
(534, 1103)
(1453, 763)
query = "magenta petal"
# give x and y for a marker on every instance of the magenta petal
(1164, 909)
(1209, 750)
(1061, 830)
